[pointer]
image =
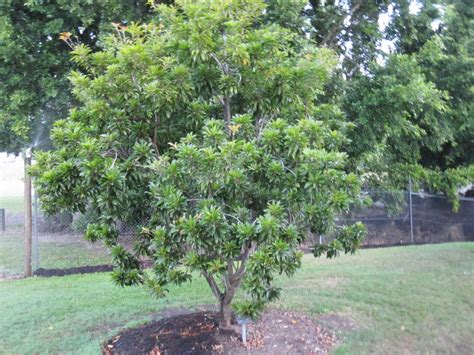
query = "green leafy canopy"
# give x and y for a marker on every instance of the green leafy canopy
(258, 165)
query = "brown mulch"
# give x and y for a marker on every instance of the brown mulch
(277, 332)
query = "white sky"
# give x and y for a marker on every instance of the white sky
(11, 175)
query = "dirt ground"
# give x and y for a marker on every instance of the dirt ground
(276, 332)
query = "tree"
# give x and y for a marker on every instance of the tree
(34, 64)
(235, 207)
(447, 60)
(412, 110)
(417, 107)
(256, 168)
(396, 113)
(349, 27)
(401, 119)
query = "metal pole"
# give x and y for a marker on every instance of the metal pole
(3, 224)
(28, 215)
(411, 209)
(35, 233)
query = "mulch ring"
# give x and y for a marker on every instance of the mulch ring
(277, 332)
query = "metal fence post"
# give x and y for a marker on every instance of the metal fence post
(35, 233)
(3, 223)
(27, 215)
(411, 209)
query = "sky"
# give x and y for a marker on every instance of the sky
(384, 20)
(11, 175)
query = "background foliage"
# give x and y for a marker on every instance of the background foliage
(34, 64)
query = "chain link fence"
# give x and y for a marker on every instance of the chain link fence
(57, 242)
(393, 218)
(399, 218)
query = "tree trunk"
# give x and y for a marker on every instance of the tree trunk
(227, 116)
(225, 314)
(232, 282)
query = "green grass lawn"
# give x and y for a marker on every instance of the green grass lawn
(11, 255)
(416, 299)
(60, 253)
(12, 204)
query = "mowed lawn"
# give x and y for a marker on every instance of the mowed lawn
(12, 204)
(392, 300)
(54, 253)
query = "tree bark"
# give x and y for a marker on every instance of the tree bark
(231, 280)
(227, 115)
(328, 40)
(225, 314)
(224, 299)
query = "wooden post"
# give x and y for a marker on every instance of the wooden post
(28, 216)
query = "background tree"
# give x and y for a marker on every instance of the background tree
(411, 108)
(436, 42)
(352, 28)
(34, 64)
(447, 60)
(258, 165)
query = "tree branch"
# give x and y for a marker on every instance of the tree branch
(225, 101)
(239, 273)
(212, 283)
(219, 63)
(155, 134)
(227, 115)
(329, 38)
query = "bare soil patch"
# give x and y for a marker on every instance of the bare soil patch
(338, 322)
(277, 332)
(10, 277)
